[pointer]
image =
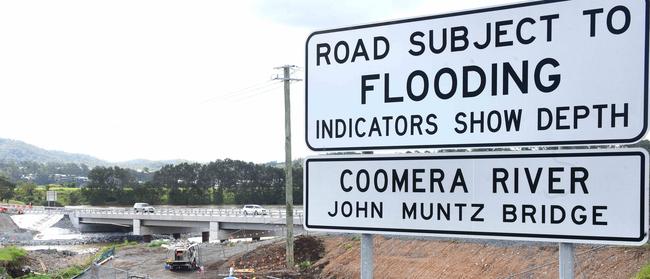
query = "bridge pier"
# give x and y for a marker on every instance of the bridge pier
(139, 229)
(215, 233)
(176, 235)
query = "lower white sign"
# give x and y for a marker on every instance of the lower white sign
(597, 197)
(51, 195)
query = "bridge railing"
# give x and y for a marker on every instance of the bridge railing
(234, 212)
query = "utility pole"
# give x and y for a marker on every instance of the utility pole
(288, 168)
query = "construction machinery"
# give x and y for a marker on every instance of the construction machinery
(183, 256)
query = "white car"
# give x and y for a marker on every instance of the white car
(142, 207)
(254, 209)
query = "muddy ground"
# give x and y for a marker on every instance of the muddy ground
(141, 260)
(394, 258)
(48, 260)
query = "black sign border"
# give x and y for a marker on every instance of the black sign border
(443, 233)
(497, 144)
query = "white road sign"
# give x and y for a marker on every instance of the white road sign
(51, 196)
(535, 73)
(582, 197)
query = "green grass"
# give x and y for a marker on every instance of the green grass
(16, 202)
(157, 243)
(67, 272)
(126, 243)
(644, 273)
(34, 276)
(59, 188)
(61, 274)
(12, 254)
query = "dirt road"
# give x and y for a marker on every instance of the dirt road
(142, 260)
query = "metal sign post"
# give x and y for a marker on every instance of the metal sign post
(567, 260)
(367, 250)
(367, 257)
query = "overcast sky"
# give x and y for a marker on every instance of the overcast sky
(162, 79)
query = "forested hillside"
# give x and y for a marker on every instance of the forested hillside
(14, 151)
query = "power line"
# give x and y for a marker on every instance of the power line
(249, 97)
(244, 98)
(245, 90)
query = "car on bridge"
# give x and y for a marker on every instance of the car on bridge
(142, 207)
(254, 209)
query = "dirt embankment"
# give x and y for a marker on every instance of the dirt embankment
(338, 257)
(411, 258)
(404, 258)
(270, 260)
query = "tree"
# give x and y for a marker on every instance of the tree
(148, 193)
(26, 192)
(108, 185)
(6, 189)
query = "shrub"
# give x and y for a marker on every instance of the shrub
(304, 265)
(644, 273)
(11, 260)
(12, 254)
(157, 243)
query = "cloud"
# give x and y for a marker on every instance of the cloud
(321, 14)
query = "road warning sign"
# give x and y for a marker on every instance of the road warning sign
(535, 73)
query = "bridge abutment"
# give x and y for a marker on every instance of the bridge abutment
(74, 219)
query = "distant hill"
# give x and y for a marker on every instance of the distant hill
(18, 151)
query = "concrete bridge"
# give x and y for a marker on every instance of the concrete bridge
(213, 224)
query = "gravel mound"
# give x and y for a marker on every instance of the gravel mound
(65, 223)
(6, 224)
(11, 233)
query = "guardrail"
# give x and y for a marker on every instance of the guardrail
(224, 212)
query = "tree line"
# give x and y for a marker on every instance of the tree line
(219, 182)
